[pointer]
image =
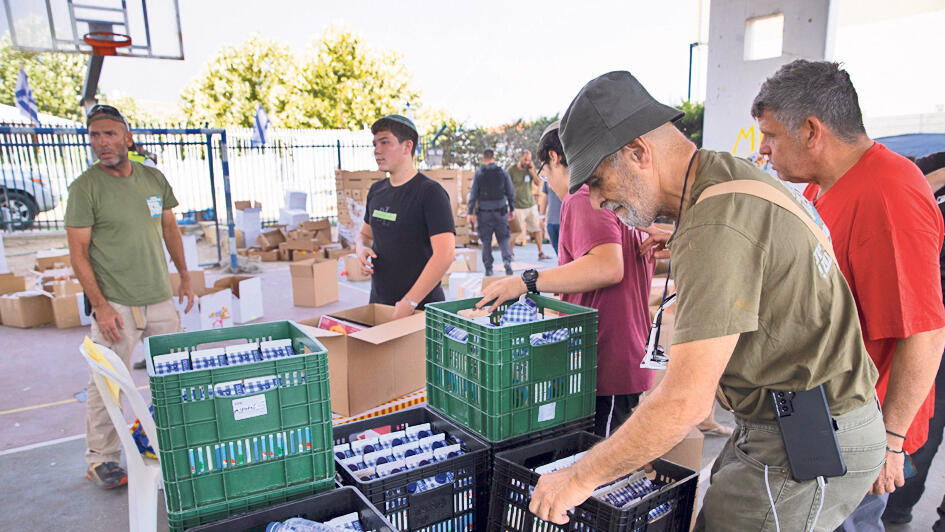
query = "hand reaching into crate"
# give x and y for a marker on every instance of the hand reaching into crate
(558, 493)
(501, 291)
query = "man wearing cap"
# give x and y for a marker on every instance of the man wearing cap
(407, 241)
(492, 200)
(762, 307)
(118, 219)
(600, 265)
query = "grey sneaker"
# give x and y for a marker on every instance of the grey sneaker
(107, 475)
(141, 364)
(508, 269)
(488, 272)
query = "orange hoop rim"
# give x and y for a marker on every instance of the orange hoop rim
(106, 43)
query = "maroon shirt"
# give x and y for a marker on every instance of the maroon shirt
(623, 318)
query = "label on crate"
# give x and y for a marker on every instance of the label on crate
(546, 412)
(248, 407)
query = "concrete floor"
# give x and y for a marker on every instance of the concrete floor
(42, 484)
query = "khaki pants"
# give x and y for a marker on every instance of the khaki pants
(737, 498)
(100, 436)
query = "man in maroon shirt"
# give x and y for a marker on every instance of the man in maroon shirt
(886, 234)
(600, 266)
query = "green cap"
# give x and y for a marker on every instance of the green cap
(609, 112)
(400, 119)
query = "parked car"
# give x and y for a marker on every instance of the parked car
(24, 193)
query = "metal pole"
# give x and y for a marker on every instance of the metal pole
(213, 196)
(231, 228)
(692, 45)
(338, 147)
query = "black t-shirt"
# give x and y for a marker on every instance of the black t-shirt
(403, 219)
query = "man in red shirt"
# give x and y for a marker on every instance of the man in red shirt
(599, 266)
(886, 233)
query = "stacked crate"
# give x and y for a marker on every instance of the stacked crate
(276, 442)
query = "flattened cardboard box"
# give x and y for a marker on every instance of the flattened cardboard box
(314, 282)
(371, 367)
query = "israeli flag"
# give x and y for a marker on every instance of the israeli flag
(23, 98)
(260, 126)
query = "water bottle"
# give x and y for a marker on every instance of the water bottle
(297, 524)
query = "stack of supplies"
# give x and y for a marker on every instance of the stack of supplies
(522, 311)
(297, 524)
(403, 450)
(217, 357)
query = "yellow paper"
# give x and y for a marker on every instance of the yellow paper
(97, 356)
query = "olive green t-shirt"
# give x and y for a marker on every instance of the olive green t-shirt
(127, 246)
(522, 181)
(746, 266)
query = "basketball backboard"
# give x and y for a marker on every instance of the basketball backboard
(61, 25)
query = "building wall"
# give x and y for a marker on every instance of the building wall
(732, 82)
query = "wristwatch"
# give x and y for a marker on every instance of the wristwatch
(530, 277)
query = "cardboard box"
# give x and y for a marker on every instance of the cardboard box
(471, 256)
(243, 205)
(62, 288)
(302, 254)
(271, 239)
(292, 217)
(371, 367)
(336, 251)
(69, 311)
(284, 252)
(353, 269)
(198, 282)
(486, 281)
(458, 266)
(190, 254)
(246, 296)
(314, 282)
(315, 225)
(26, 309)
(307, 245)
(265, 256)
(52, 258)
(10, 284)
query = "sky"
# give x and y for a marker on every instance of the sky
(490, 62)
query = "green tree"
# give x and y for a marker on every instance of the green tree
(346, 84)
(463, 146)
(55, 79)
(237, 79)
(691, 123)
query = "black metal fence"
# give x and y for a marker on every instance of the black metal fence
(38, 164)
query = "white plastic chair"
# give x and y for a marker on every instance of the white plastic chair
(144, 475)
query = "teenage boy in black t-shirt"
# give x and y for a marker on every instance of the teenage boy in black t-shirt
(409, 223)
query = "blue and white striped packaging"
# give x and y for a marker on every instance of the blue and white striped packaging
(370, 459)
(561, 463)
(450, 451)
(208, 358)
(260, 384)
(171, 363)
(229, 389)
(358, 446)
(347, 522)
(243, 353)
(343, 450)
(272, 349)
(417, 432)
(430, 483)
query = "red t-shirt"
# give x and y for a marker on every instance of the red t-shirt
(623, 318)
(887, 232)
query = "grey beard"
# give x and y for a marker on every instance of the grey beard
(630, 216)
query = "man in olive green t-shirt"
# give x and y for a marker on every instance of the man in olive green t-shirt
(118, 218)
(523, 174)
(762, 307)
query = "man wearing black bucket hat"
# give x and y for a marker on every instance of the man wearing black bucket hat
(762, 309)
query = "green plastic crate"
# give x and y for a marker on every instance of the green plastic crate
(499, 385)
(184, 423)
(181, 521)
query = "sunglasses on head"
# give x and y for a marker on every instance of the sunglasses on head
(103, 108)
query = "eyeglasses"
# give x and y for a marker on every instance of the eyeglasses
(542, 176)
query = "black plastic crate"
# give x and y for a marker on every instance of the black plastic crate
(454, 507)
(514, 479)
(320, 508)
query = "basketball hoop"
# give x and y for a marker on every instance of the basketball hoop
(105, 43)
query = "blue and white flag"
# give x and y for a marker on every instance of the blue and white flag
(260, 126)
(23, 98)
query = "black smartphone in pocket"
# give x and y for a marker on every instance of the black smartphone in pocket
(809, 434)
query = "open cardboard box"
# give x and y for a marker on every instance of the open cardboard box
(246, 296)
(314, 282)
(371, 367)
(353, 269)
(52, 258)
(26, 309)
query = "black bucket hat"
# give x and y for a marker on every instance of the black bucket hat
(609, 112)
